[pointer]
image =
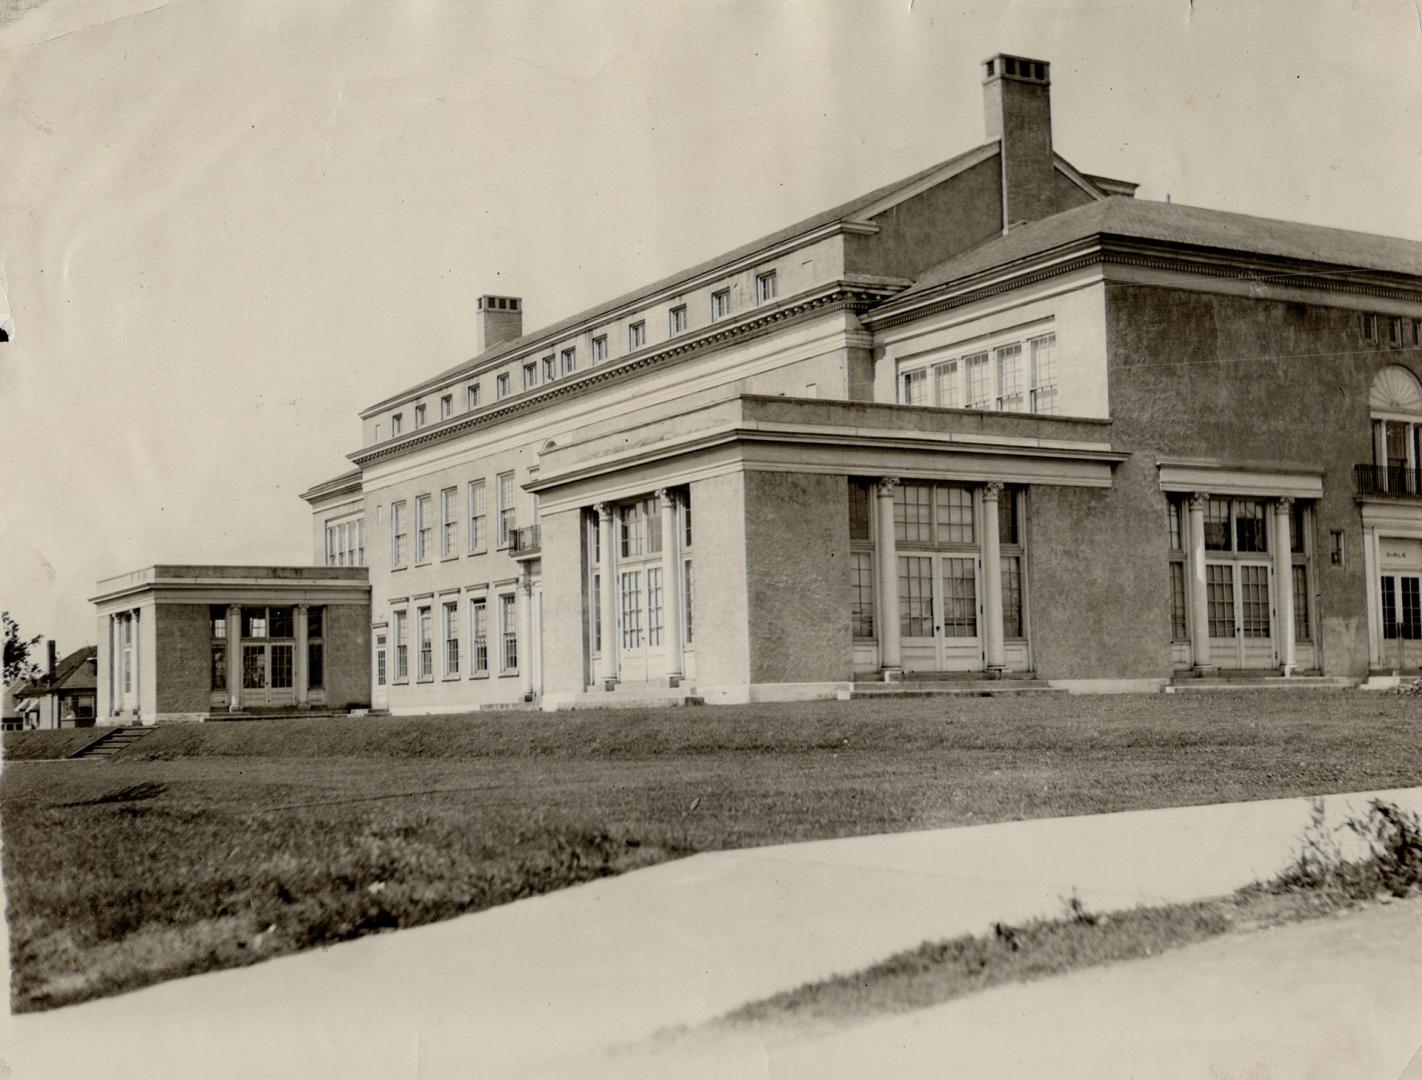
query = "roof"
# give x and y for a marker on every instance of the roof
(1177, 224)
(77, 671)
(843, 212)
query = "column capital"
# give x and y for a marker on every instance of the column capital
(604, 511)
(665, 497)
(1285, 503)
(885, 486)
(993, 488)
(1198, 500)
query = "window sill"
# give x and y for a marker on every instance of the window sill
(450, 678)
(400, 682)
(397, 569)
(422, 562)
(424, 679)
(478, 674)
(448, 558)
(509, 674)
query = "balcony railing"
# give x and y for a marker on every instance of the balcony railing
(526, 542)
(1387, 481)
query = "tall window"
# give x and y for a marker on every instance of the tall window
(1175, 531)
(471, 396)
(530, 375)
(914, 387)
(861, 613)
(975, 368)
(501, 387)
(1044, 374)
(1009, 379)
(507, 519)
(424, 528)
(217, 633)
(379, 659)
(397, 535)
(599, 348)
(570, 360)
(448, 523)
(451, 637)
(676, 320)
(426, 631)
(478, 637)
(765, 287)
(397, 424)
(477, 534)
(631, 596)
(550, 368)
(636, 336)
(508, 634)
(446, 406)
(419, 416)
(945, 385)
(1009, 533)
(720, 304)
(315, 648)
(402, 646)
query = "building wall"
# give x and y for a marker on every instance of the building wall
(564, 606)
(719, 603)
(346, 635)
(798, 582)
(181, 663)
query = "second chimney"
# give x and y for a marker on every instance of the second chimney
(500, 320)
(1017, 107)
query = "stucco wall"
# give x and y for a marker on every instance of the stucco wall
(797, 553)
(564, 610)
(184, 679)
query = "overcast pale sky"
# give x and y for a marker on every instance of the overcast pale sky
(225, 227)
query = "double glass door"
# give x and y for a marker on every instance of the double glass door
(268, 657)
(1402, 620)
(1240, 604)
(939, 617)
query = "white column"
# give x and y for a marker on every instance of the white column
(137, 668)
(607, 600)
(886, 548)
(234, 657)
(1284, 576)
(525, 633)
(991, 546)
(1373, 586)
(114, 701)
(671, 584)
(299, 672)
(1199, 598)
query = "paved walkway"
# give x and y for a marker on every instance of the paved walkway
(548, 984)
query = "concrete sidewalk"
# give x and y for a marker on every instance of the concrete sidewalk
(549, 983)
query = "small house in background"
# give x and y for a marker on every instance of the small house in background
(194, 642)
(64, 696)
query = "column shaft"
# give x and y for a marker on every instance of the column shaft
(526, 649)
(890, 652)
(991, 546)
(234, 657)
(607, 599)
(299, 673)
(1199, 597)
(1284, 577)
(671, 583)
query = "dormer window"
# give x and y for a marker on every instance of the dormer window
(676, 320)
(550, 368)
(570, 360)
(530, 375)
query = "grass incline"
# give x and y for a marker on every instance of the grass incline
(216, 845)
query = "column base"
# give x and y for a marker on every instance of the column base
(1205, 670)
(892, 674)
(994, 671)
(674, 680)
(609, 684)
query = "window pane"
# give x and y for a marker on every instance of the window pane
(654, 605)
(913, 513)
(1251, 534)
(976, 370)
(1298, 528)
(1300, 587)
(254, 667)
(315, 665)
(219, 667)
(1411, 621)
(631, 593)
(861, 614)
(1217, 526)
(1044, 374)
(858, 510)
(915, 596)
(1389, 607)
(1012, 596)
(1173, 513)
(1254, 601)
(945, 385)
(1219, 596)
(1007, 527)
(1009, 379)
(955, 515)
(282, 622)
(960, 598)
(1178, 629)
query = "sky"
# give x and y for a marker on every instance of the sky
(225, 228)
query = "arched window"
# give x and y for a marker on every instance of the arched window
(1395, 402)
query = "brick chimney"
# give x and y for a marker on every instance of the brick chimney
(1017, 107)
(500, 320)
(51, 657)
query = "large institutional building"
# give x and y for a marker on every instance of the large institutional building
(999, 417)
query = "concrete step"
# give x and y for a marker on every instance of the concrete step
(110, 743)
(638, 697)
(1264, 682)
(305, 714)
(979, 688)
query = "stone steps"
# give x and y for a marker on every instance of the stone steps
(1263, 682)
(863, 691)
(110, 743)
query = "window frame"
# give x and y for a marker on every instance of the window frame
(568, 360)
(599, 349)
(677, 320)
(502, 384)
(508, 633)
(477, 500)
(449, 618)
(398, 534)
(448, 523)
(507, 512)
(636, 335)
(424, 528)
(765, 287)
(720, 304)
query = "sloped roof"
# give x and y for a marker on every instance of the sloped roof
(1189, 225)
(77, 671)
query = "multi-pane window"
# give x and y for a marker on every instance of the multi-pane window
(765, 287)
(570, 360)
(1044, 374)
(402, 646)
(478, 636)
(397, 534)
(914, 387)
(636, 336)
(1370, 326)
(641, 532)
(446, 406)
(975, 369)
(686, 598)
(1238, 525)
(913, 513)
(960, 598)
(471, 396)
(955, 514)
(217, 631)
(530, 375)
(397, 424)
(945, 385)
(859, 524)
(451, 637)
(1219, 599)
(501, 387)
(380, 660)
(426, 654)
(448, 523)
(1012, 596)
(676, 320)
(508, 634)
(631, 597)
(915, 596)
(550, 368)
(1299, 584)
(424, 528)
(477, 526)
(654, 605)
(507, 515)
(315, 649)
(720, 304)
(419, 416)
(861, 612)
(1009, 378)
(599, 348)
(344, 544)
(1178, 628)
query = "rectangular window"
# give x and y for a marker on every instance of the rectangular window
(550, 368)
(1178, 630)
(599, 348)
(448, 523)
(424, 528)
(654, 605)
(359, 543)
(631, 595)
(254, 667)
(861, 612)
(402, 647)
(858, 510)
(397, 535)
(945, 385)
(676, 320)
(686, 597)
(283, 622)
(426, 655)
(397, 424)
(1397, 331)
(1370, 326)
(330, 545)
(1009, 379)
(595, 610)
(315, 622)
(960, 598)
(1217, 525)
(1044, 375)
(419, 416)
(975, 369)
(217, 622)
(477, 536)
(1173, 519)
(1012, 596)
(219, 667)
(315, 665)
(380, 660)
(501, 387)
(765, 287)
(446, 406)
(1335, 547)
(1007, 524)
(1219, 600)
(1254, 600)
(955, 515)
(570, 360)
(1298, 527)
(507, 518)
(913, 513)
(636, 336)
(254, 622)
(530, 375)
(451, 638)
(632, 542)
(720, 304)
(1300, 587)
(915, 596)
(478, 637)
(471, 396)
(1250, 520)
(914, 387)
(508, 633)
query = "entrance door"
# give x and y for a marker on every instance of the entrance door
(641, 623)
(938, 613)
(1240, 604)
(1402, 621)
(268, 674)
(380, 694)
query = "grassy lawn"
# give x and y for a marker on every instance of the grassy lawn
(217, 845)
